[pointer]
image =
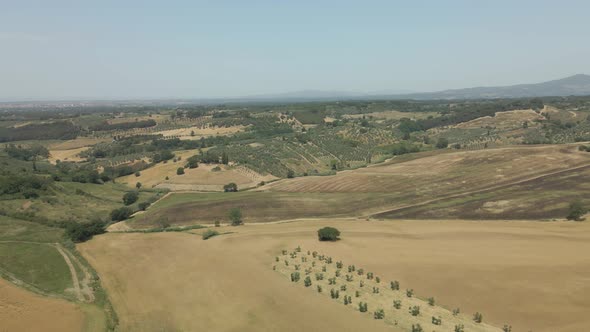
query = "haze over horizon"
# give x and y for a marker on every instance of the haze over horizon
(145, 50)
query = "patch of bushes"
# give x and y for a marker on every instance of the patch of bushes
(130, 197)
(80, 232)
(209, 234)
(121, 214)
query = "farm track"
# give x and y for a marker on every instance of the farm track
(478, 191)
(83, 292)
(75, 281)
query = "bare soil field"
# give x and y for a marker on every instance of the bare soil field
(21, 310)
(533, 276)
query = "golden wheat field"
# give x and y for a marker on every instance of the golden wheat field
(533, 276)
(21, 310)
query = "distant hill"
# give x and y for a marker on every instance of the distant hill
(576, 85)
(570, 86)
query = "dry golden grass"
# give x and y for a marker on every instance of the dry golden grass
(77, 143)
(392, 115)
(503, 120)
(442, 174)
(202, 178)
(21, 310)
(185, 133)
(66, 155)
(530, 275)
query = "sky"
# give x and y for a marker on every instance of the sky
(56, 50)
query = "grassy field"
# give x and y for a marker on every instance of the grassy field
(73, 201)
(475, 266)
(32, 256)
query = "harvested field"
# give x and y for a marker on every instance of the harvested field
(21, 310)
(436, 175)
(77, 143)
(202, 178)
(392, 115)
(185, 133)
(66, 155)
(505, 270)
(504, 120)
(541, 180)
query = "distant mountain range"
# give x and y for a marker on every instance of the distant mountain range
(577, 85)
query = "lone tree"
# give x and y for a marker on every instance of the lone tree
(130, 197)
(179, 171)
(328, 234)
(230, 187)
(576, 211)
(442, 143)
(235, 216)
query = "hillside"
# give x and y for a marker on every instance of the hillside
(576, 85)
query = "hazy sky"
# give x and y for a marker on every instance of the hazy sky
(147, 49)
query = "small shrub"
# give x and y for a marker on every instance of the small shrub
(343, 288)
(121, 214)
(460, 328)
(397, 304)
(332, 281)
(319, 289)
(235, 216)
(319, 276)
(347, 300)
(363, 307)
(456, 311)
(431, 301)
(369, 275)
(436, 320)
(375, 290)
(334, 293)
(307, 281)
(337, 273)
(339, 264)
(477, 317)
(328, 234)
(415, 310)
(576, 211)
(379, 314)
(138, 173)
(351, 268)
(409, 292)
(349, 277)
(507, 328)
(295, 276)
(143, 206)
(394, 285)
(357, 294)
(417, 328)
(360, 272)
(180, 171)
(130, 197)
(377, 280)
(217, 223)
(211, 233)
(230, 187)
